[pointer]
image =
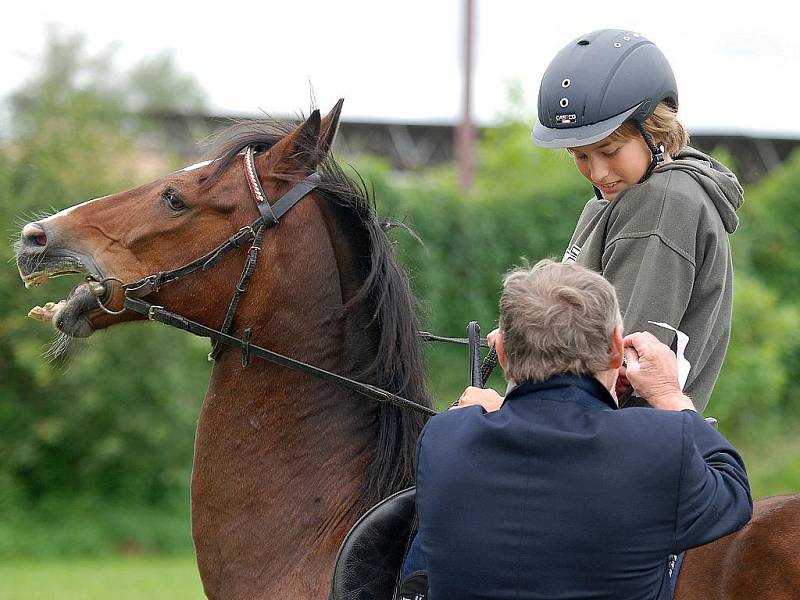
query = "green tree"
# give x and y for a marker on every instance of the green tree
(156, 85)
(750, 398)
(115, 426)
(769, 242)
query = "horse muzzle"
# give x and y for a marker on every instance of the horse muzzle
(39, 260)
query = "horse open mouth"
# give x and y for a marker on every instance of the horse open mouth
(71, 314)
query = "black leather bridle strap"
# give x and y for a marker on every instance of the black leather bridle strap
(267, 215)
(429, 337)
(270, 214)
(294, 195)
(160, 314)
(241, 288)
(151, 283)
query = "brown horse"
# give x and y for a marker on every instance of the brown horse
(284, 463)
(759, 562)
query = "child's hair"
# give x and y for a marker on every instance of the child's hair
(662, 125)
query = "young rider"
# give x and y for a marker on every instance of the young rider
(658, 225)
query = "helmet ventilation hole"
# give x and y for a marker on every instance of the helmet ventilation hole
(583, 43)
(564, 103)
(566, 83)
(627, 38)
(617, 45)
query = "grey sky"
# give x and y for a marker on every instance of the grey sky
(736, 66)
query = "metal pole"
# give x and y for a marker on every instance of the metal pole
(465, 134)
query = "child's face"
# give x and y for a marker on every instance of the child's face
(613, 166)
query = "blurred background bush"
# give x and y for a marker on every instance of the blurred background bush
(95, 454)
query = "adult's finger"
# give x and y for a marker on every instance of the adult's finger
(631, 356)
(460, 403)
(639, 340)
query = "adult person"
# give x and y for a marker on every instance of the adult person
(658, 225)
(557, 494)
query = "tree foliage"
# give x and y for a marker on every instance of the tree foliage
(115, 425)
(770, 241)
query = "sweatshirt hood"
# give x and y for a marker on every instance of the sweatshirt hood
(716, 179)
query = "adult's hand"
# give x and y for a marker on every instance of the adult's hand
(653, 372)
(491, 339)
(489, 399)
(622, 385)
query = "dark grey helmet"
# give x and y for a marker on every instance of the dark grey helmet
(596, 83)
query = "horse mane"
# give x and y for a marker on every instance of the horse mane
(385, 295)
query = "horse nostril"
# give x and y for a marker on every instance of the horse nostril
(34, 235)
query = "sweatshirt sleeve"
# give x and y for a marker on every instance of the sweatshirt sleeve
(653, 279)
(714, 493)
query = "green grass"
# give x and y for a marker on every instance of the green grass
(120, 578)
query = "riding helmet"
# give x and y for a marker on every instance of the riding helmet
(596, 83)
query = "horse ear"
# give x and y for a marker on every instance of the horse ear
(298, 151)
(329, 127)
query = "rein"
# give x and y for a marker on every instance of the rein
(160, 314)
(270, 215)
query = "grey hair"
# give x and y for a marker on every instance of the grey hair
(556, 318)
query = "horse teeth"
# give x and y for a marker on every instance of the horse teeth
(38, 313)
(47, 312)
(97, 288)
(32, 282)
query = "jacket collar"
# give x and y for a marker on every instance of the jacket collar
(580, 389)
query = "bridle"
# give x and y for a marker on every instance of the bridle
(221, 339)
(255, 232)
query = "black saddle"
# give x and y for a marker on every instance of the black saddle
(370, 559)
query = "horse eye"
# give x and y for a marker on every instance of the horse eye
(173, 200)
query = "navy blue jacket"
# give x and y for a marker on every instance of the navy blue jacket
(560, 495)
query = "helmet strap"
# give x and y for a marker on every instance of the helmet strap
(656, 151)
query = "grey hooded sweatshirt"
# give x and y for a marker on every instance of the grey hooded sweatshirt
(663, 244)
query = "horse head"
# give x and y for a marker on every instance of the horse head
(160, 226)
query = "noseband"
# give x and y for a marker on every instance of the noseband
(269, 217)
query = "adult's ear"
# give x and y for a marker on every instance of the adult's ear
(328, 129)
(500, 348)
(297, 153)
(616, 350)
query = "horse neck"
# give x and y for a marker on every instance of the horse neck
(281, 457)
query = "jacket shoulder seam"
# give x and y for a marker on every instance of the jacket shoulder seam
(660, 235)
(658, 231)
